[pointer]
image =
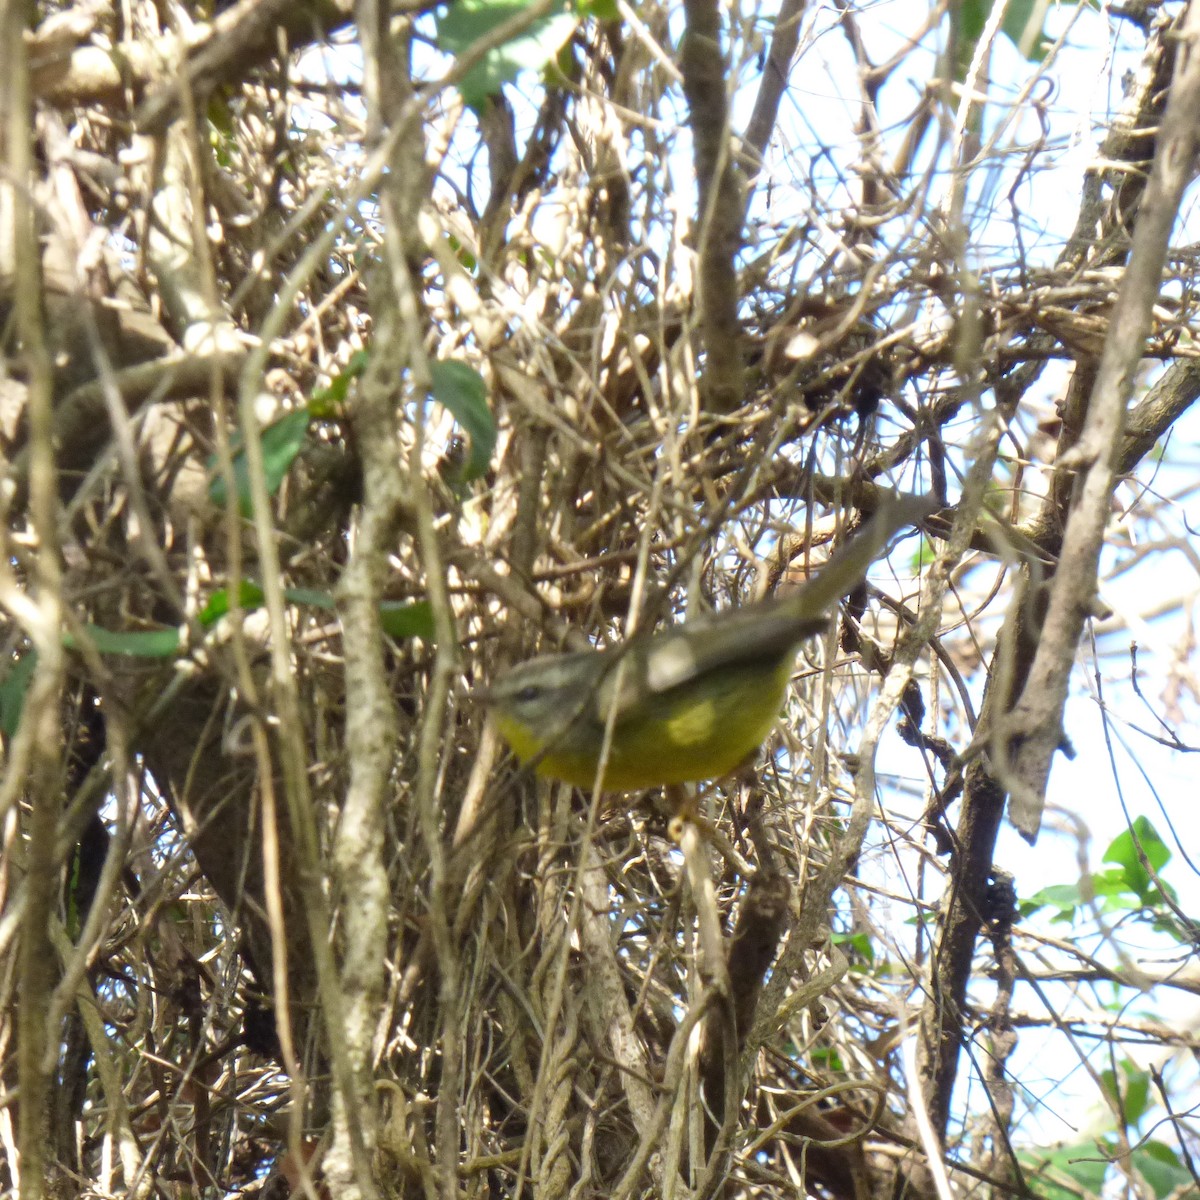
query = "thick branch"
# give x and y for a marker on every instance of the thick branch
(1036, 718)
(774, 80)
(720, 222)
(983, 798)
(237, 40)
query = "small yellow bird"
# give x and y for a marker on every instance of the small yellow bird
(688, 703)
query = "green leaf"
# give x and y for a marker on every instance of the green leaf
(221, 128)
(250, 596)
(826, 1057)
(1161, 1168)
(1023, 23)
(326, 401)
(1065, 1173)
(968, 19)
(137, 643)
(1123, 850)
(602, 10)
(13, 689)
(1137, 1093)
(466, 259)
(281, 442)
(462, 391)
(1132, 1093)
(859, 945)
(1112, 892)
(925, 554)
(71, 894)
(398, 619)
(1064, 897)
(462, 24)
(1111, 884)
(407, 620)
(311, 597)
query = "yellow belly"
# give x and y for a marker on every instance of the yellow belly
(702, 730)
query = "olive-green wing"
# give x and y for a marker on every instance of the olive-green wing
(849, 564)
(763, 632)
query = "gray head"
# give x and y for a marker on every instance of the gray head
(547, 689)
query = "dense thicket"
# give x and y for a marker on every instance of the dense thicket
(353, 352)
